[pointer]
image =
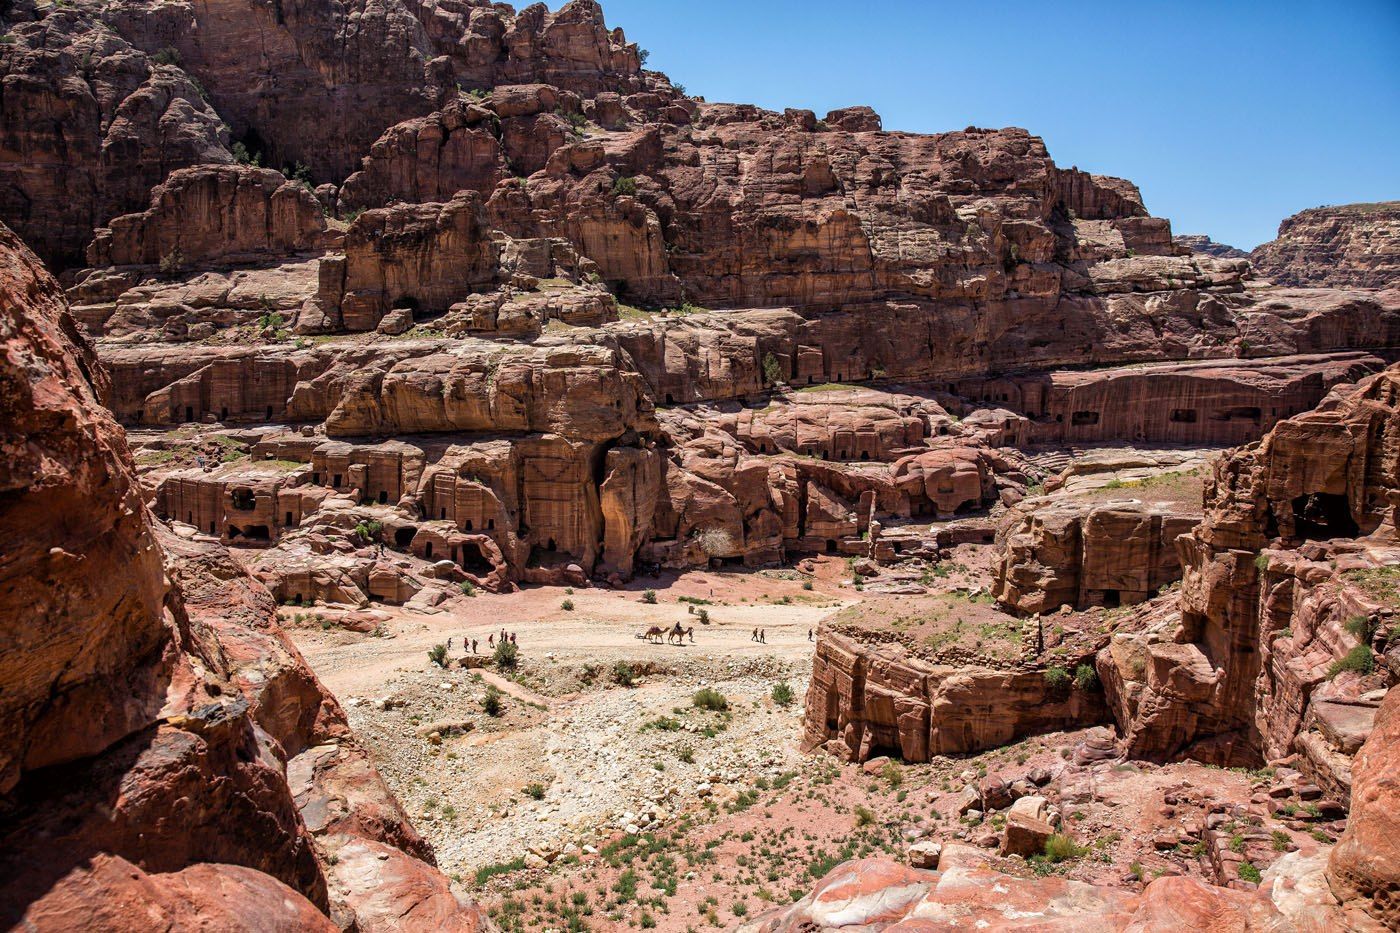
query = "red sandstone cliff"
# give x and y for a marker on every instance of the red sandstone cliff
(1351, 245)
(153, 711)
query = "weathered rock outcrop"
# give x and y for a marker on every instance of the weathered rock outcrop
(1364, 868)
(1274, 593)
(1078, 554)
(90, 124)
(868, 699)
(1350, 245)
(1200, 243)
(214, 215)
(152, 706)
(966, 891)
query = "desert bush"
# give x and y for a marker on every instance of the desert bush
(625, 185)
(438, 655)
(711, 699)
(506, 655)
(535, 791)
(491, 703)
(1057, 678)
(623, 675)
(567, 605)
(649, 597)
(1359, 660)
(1086, 678)
(1061, 848)
(782, 693)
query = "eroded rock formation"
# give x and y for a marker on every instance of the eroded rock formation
(1274, 594)
(1350, 245)
(153, 709)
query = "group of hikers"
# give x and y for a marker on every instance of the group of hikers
(490, 641)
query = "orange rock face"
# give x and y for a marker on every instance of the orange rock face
(1364, 868)
(1355, 245)
(153, 707)
(1265, 611)
(965, 892)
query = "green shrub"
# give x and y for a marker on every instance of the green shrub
(892, 773)
(167, 56)
(623, 675)
(1249, 873)
(492, 704)
(1061, 848)
(1363, 627)
(711, 699)
(626, 185)
(649, 597)
(506, 655)
(1086, 678)
(1261, 561)
(567, 605)
(807, 585)
(1057, 678)
(772, 369)
(534, 791)
(864, 816)
(468, 588)
(1281, 840)
(438, 655)
(782, 693)
(704, 616)
(1360, 660)
(686, 754)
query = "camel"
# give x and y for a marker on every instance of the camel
(678, 634)
(654, 633)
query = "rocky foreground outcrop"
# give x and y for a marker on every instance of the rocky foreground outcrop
(166, 757)
(1350, 245)
(966, 892)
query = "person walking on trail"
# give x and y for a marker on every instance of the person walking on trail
(449, 643)
(473, 646)
(512, 638)
(763, 636)
(809, 634)
(490, 641)
(754, 636)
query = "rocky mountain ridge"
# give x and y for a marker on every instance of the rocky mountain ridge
(1348, 245)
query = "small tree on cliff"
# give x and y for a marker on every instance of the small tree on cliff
(772, 369)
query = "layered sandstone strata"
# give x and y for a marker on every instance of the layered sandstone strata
(214, 215)
(868, 699)
(153, 708)
(1079, 554)
(1274, 577)
(1350, 245)
(1200, 243)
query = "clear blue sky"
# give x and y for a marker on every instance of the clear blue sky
(1229, 115)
